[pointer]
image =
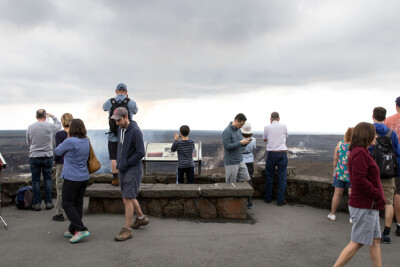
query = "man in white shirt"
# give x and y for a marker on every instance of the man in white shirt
(275, 134)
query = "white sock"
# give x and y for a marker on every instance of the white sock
(141, 218)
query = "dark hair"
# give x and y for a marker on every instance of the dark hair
(41, 113)
(77, 128)
(363, 135)
(247, 135)
(274, 115)
(240, 117)
(379, 113)
(348, 134)
(184, 130)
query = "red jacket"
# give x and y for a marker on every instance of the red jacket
(366, 186)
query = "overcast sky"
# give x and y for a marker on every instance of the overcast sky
(323, 65)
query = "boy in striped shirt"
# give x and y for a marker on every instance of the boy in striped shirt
(185, 148)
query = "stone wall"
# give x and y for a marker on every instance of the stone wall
(313, 191)
(207, 201)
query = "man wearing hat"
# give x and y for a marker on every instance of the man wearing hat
(275, 134)
(129, 164)
(393, 122)
(121, 100)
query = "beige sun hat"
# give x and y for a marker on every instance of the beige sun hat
(246, 129)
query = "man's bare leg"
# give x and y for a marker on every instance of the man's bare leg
(128, 204)
(136, 206)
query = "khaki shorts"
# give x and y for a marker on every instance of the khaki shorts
(397, 182)
(236, 173)
(388, 190)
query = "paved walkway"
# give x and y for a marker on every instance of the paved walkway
(292, 235)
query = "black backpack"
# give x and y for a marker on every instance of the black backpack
(115, 104)
(385, 156)
(24, 198)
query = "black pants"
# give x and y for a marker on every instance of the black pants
(180, 172)
(250, 169)
(72, 202)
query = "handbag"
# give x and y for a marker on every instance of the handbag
(93, 163)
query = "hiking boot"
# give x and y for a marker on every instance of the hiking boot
(385, 239)
(332, 217)
(68, 234)
(140, 222)
(398, 230)
(115, 182)
(58, 218)
(79, 236)
(125, 234)
(49, 206)
(36, 207)
(282, 203)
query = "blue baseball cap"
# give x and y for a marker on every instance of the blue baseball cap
(121, 87)
(397, 101)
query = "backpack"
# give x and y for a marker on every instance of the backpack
(385, 156)
(24, 198)
(115, 104)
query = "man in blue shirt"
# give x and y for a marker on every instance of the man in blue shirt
(388, 184)
(121, 100)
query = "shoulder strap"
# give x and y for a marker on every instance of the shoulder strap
(389, 133)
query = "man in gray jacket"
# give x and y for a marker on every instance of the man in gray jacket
(235, 168)
(39, 138)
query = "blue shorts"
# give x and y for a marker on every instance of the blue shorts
(340, 184)
(129, 181)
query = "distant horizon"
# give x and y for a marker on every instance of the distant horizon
(172, 130)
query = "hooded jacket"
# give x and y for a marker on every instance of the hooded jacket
(366, 186)
(131, 152)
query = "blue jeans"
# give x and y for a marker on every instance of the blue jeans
(280, 160)
(41, 165)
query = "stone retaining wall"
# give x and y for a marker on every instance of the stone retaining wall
(207, 201)
(313, 191)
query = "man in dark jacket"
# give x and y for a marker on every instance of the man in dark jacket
(388, 184)
(129, 164)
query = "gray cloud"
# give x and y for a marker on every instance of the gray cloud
(162, 49)
(26, 13)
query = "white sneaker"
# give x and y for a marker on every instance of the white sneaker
(350, 221)
(331, 217)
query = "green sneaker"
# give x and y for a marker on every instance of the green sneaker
(79, 236)
(68, 234)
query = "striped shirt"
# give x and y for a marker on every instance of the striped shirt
(185, 150)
